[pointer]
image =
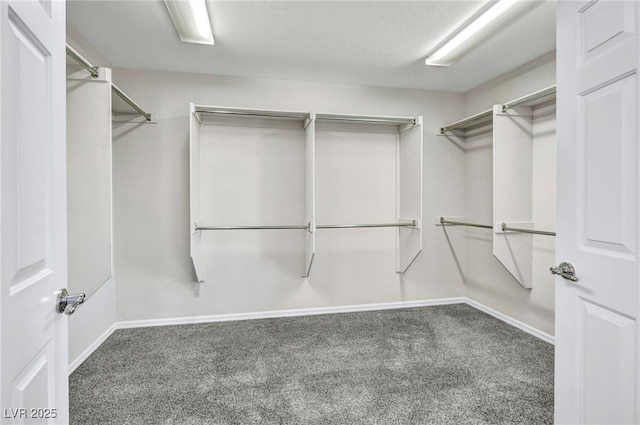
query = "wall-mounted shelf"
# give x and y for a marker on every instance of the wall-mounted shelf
(236, 155)
(512, 135)
(231, 139)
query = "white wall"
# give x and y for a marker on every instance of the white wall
(487, 282)
(151, 199)
(155, 277)
(537, 74)
(92, 323)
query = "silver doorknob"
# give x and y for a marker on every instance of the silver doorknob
(565, 270)
(68, 304)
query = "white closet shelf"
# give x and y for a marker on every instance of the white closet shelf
(510, 126)
(206, 121)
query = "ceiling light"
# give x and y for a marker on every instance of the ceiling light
(191, 20)
(445, 52)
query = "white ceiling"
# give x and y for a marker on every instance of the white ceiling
(380, 43)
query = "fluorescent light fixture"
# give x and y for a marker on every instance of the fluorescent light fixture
(444, 53)
(191, 20)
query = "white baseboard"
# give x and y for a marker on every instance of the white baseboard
(511, 321)
(286, 313)
(90, 349)
(337, 309)
(306, 312)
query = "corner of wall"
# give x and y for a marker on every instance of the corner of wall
(92, 324)
(486, 280)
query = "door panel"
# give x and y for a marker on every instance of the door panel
(607, 337)
(597, 351)
(603, 25)
(606, 160)
(33, 260)
(27, 387)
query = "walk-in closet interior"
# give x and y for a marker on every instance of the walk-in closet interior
(309, 163)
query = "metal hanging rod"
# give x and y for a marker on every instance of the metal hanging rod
(467, 121)
(461, 223)
(301, 227)
(506, 228)
(367, 119)
(307, 226)
(130, 102)
(354, 226)
(540, 94)
(254, 113)
(93, 70)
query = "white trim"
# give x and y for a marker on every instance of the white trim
(90, 349)
(511, 321)
(286, 313)
(127, 324)
(338, 309)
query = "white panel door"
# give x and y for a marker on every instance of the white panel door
(597, 341)
(33, 254)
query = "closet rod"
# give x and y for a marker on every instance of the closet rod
(252, 113)
(353, 226)
(93, 70)
(130, 102)
(462, 123)
(306, 227)
(461, 223)
(302, 227)
(540, 94)
(368, 119)
(505, 228)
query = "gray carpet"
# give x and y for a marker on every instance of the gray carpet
(431, 365)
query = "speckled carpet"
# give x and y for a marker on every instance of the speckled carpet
(431, 365)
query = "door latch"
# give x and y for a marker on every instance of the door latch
(68, 304)
(566, 271)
